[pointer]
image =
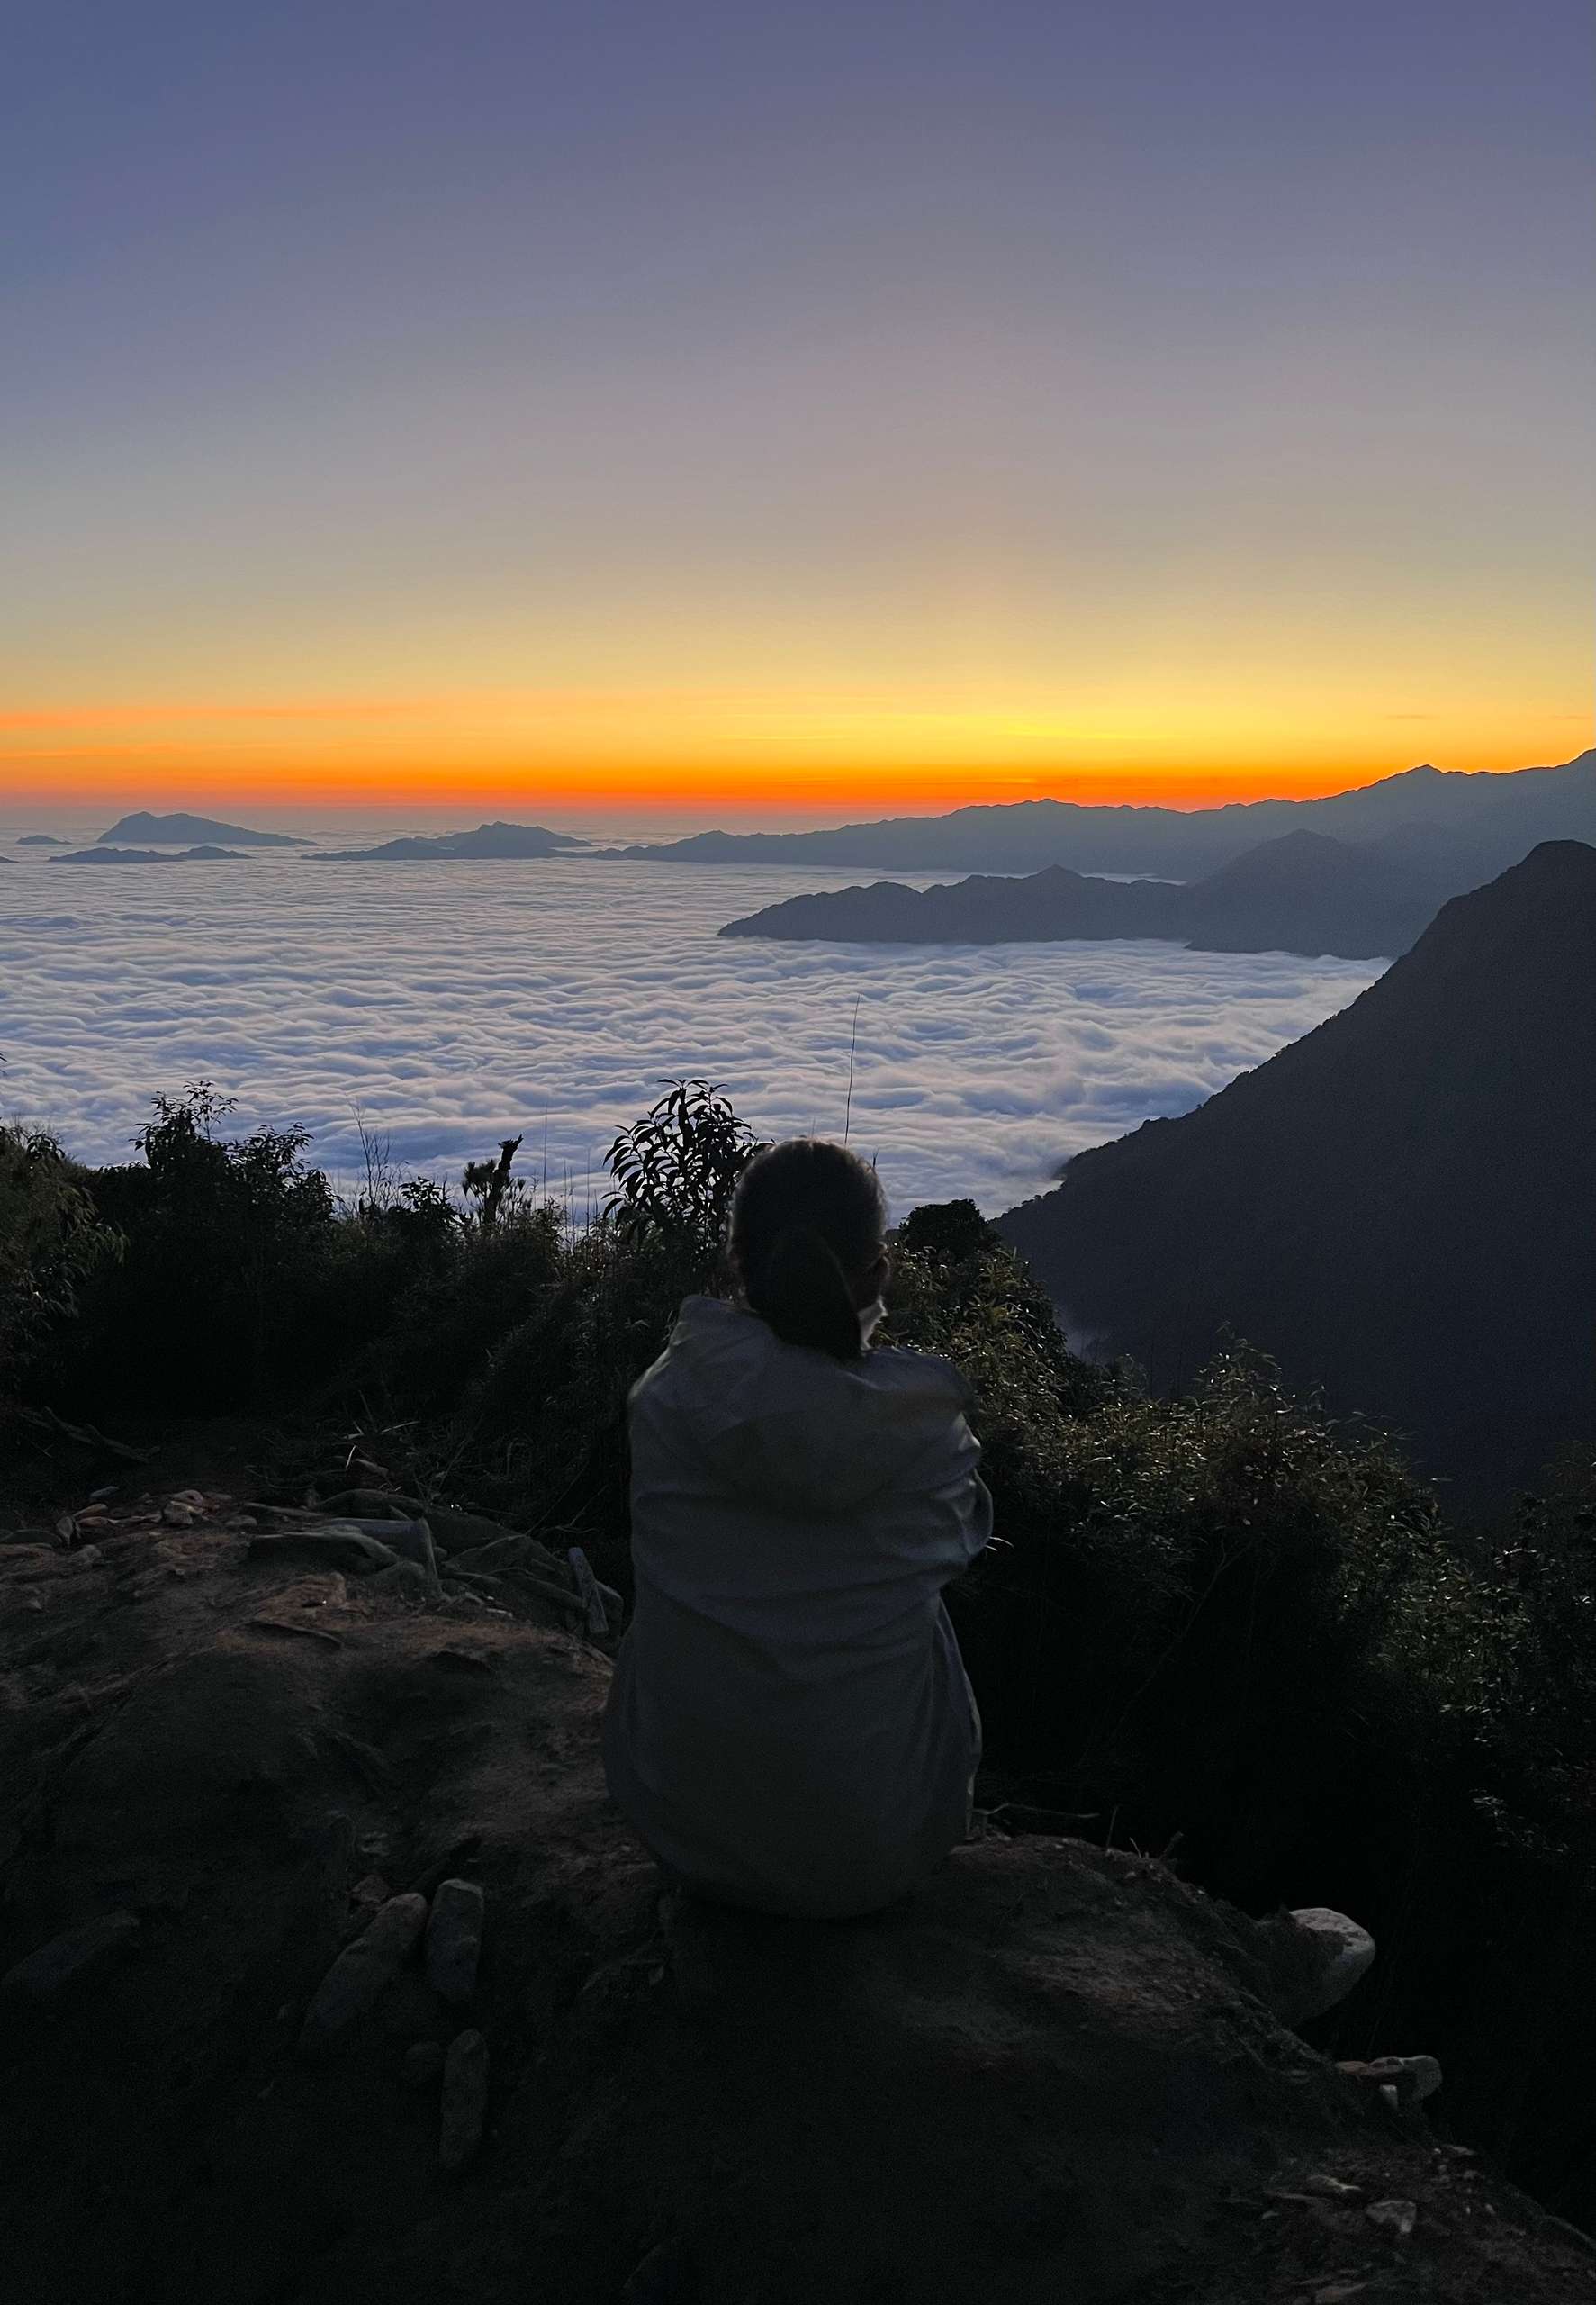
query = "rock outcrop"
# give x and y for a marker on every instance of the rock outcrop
(1056, 2073)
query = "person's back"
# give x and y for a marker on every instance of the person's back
(790, 1727)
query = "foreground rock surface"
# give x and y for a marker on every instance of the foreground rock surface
(1054, 2075)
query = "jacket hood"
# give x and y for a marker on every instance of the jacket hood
(785, 1421)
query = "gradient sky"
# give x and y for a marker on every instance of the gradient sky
(701, 402)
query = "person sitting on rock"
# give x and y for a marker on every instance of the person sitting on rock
(790, 1728)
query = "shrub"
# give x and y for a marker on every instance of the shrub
(676, 1170)
(1540, 1706)
(50, 1241)
(1190, 1600)
(467, 1288)
(224, 1238)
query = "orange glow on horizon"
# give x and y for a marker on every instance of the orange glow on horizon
(700, 752)
(866, 793)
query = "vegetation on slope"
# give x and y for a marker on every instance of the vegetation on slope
(1215, 1625)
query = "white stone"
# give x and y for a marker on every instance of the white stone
(1424, 2071)
(1346, 1951)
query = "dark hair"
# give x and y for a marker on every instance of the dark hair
(807, 1216)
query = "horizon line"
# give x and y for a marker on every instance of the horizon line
(1178, 794)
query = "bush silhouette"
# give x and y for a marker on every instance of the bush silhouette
(675, 1170)
(223, 1242)
(50, 1241)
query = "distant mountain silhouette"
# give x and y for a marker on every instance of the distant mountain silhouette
(1302, 893)
(1401, 1207)
(982, 910)
(176, 831)
(207, 854)
(40, 840)
(487, 840)
(1498, 816)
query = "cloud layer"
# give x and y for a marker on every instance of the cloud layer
(453, 1004)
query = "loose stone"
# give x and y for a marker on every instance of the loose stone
(1424, 2074)
(70, 1962)
(362, 1970)
(455, 1939)
(1402, 2079)
(373, 1891)
(587, 1585)
(1345, 1951)
(465, 2101)
(411, 1540)
(399, 1576)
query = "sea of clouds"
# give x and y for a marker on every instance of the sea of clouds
(452, 1005)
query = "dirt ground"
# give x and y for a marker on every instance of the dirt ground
(1054, 2074)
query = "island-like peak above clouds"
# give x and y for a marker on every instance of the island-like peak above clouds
(40, 840)
(486, 840)
(1397, 1207)
(1303, 892)
(206, 853)
(1500, 815)
(177, 831)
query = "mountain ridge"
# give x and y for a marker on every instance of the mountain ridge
(1303, 891)
(1397, 1207)
(497, 839)
(1551, 801)
(206, 852)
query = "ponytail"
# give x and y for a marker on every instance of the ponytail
(807, 1217)
(802, 1291)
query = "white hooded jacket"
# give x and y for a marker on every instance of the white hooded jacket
(790, 1725)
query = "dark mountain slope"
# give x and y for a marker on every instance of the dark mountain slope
(1401, 1207)
(1499, 815)
(1307, 892)
(1302, 893)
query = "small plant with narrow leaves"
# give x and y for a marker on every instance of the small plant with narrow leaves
(676, 1170)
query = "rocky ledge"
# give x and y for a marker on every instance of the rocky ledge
(329, 1973)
